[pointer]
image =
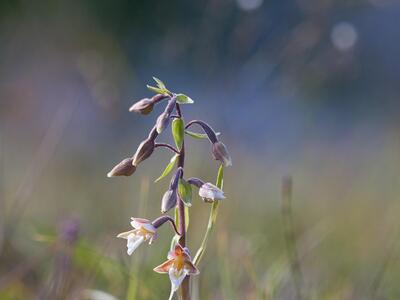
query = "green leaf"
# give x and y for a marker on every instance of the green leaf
(178, 131)
(183, 99)
(185, 192)
(160, 84)
(168, 168)
(157, 90)
(199, 135)
(186, 218)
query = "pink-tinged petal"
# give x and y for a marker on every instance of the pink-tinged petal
(191, 268)
(124, 235)
(171, 254)
(138, 222)
(176, 277)
(164, 267)
(134, 241)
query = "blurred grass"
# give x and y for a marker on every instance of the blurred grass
(345, 211)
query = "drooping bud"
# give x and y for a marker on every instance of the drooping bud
(195, 181)
(124, 168)
(164, 119)
(144, 106)
(162, 122)
(220, 153)
(171, 196)
(169, 200)
(210, 192)
(144, 150)
(175, 179)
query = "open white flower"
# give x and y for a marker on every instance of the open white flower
(210, 192)
(143, 231)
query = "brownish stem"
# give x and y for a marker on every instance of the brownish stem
(184, 290)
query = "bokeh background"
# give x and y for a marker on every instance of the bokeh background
(302, 88)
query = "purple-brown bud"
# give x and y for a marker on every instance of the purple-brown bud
(220, 153)
(162, 122)
(144, 150)
(164, 119)
(124, 168)
(144, 106)
(169, 200)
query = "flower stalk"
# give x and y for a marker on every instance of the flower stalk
(179, 265)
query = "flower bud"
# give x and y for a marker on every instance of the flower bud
(144, 106)
(124, 168)
(163, 119)
(210, 192)
(168, 200)
(144, 150)
(220, 153)
(173, 185)
(162, 122)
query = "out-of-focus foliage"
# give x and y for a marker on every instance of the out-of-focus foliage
(308, 88)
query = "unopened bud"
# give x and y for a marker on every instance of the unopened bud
(144, 150)
(173, 185)
(168, 200)
(144, 106)
(210, 192)
(124, 168)
(162, 122)
(163, 119)
(220, 153)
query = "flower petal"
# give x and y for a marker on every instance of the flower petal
(176, 277)
(191, 268)
(133, 242)
(164, 267)
(138, 222)
(124, 235)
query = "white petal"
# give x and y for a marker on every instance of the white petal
(133, 242)
(176, 277)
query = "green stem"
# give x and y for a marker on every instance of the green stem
(211, 220)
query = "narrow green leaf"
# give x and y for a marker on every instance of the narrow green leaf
(157, 90)
(186, 218)
(183, 99)
(185, 192)
(178, 131)
(160, 84)
(199, 135)
(168, 168)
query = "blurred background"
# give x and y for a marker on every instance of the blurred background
(302, 88)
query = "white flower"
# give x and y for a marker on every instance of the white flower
(210, 192)
(143, 231)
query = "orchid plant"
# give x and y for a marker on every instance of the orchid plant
(179, 265)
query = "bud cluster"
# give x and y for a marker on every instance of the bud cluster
(179, 193)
